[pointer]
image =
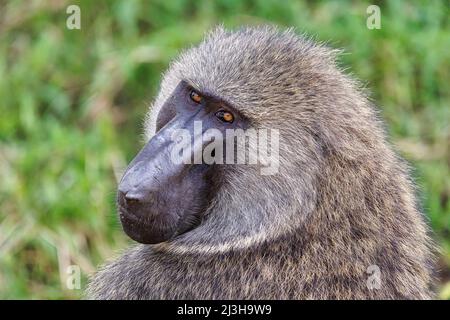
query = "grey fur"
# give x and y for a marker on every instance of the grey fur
(341, 202)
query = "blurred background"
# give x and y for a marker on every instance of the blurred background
(72, 104)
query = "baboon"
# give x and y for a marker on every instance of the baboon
(339, 220)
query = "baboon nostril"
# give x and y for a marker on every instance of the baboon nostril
(132, 201)
(129, 198)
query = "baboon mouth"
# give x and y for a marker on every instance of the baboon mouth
(143, 231)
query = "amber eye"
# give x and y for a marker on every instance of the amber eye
(195, 96)
(225, 116)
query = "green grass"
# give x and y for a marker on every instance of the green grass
(72, 104)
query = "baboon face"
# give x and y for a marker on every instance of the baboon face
(252, 79)
(160, 195)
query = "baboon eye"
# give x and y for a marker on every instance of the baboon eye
(225, 116)
(195, 96)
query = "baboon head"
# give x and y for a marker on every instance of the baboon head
(251, 79)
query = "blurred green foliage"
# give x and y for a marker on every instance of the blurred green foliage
(72, 104)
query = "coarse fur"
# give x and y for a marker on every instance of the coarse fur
(341, 202)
